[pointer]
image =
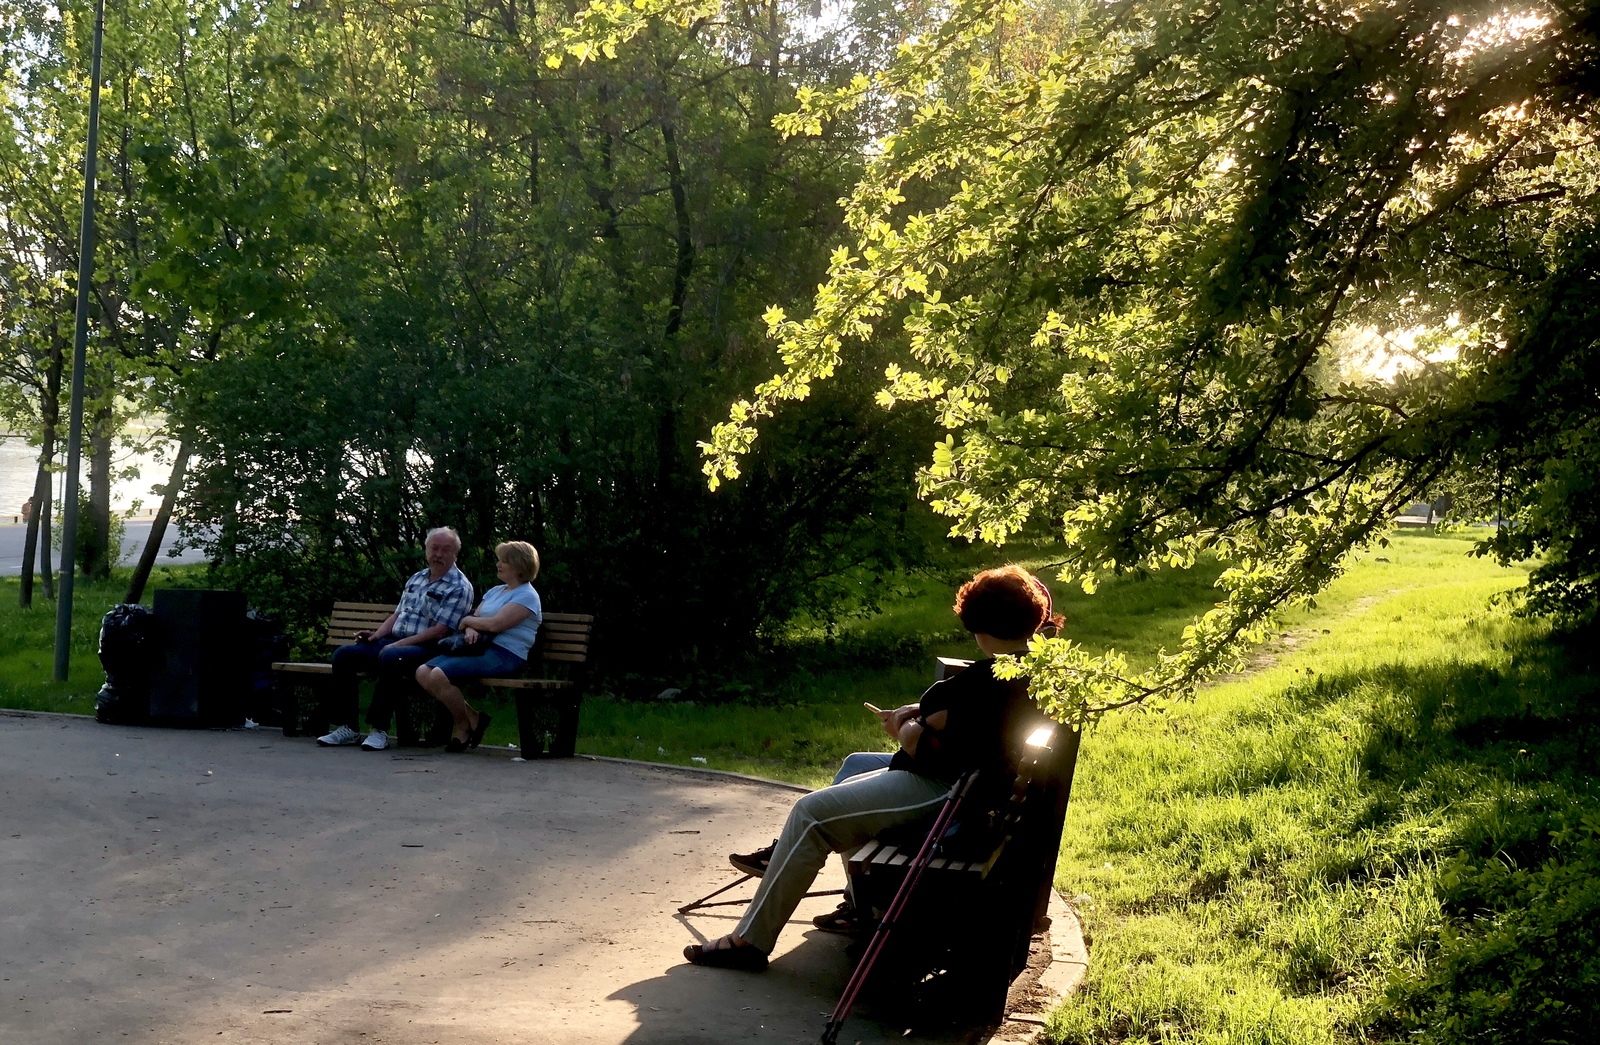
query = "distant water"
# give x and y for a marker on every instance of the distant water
(18, 462)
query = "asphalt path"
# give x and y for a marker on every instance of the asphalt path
(238, 886)
(136, 532)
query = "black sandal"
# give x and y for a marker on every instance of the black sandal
(476, 737)
(744, 957)
(455, 745)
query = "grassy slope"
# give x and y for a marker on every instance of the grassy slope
(1262, 864)
(802, 729)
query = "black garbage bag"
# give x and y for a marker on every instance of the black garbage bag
(264, 702)
(130, 652)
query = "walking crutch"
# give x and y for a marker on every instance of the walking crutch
(880, 935)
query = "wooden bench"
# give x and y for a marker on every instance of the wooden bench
(965, 934)
(563, 640)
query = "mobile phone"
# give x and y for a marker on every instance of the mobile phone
(871, 708)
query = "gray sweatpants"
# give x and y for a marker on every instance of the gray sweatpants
(833, 820)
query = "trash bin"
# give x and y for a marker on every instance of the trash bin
(204, 675)
(130, 649)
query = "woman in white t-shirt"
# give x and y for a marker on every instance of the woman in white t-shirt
(507, 620)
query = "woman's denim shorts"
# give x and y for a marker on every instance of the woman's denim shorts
(496, 660)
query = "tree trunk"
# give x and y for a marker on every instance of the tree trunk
(99, 556)
(680, 213)
(158, 528)
(41, 501)
(50, 419)
(46, 578)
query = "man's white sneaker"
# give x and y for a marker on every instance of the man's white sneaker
(341, 737)
(377, 740)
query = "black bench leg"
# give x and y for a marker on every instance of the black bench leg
(291, 707)
(565, 744)
(533, 733)
(301, 698)
(530, 738)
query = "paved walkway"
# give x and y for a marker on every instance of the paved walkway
(236, 886)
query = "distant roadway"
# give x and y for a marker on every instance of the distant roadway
(137, 531)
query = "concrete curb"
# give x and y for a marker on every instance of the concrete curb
(511, 752)
(25, 713)
(696, 771)
(1057, 980)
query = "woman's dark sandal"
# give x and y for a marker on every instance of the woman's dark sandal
(745, 957)
(478, 731)
(455, 745)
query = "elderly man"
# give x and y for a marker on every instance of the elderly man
(431, 607)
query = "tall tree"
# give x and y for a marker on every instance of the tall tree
(1140, 232)
(532, 288)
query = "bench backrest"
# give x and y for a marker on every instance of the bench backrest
(351, 617)
(562, 636)
(1037, 815)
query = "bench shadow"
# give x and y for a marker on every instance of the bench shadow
(789, 1002)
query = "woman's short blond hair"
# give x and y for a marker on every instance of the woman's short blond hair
(520, 556)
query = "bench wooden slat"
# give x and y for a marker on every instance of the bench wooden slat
(304, 668)
(572, 618)
(863, 856)
(574, 652)
(982, 869)
(502, 683)
(347, 632)
(386, 607)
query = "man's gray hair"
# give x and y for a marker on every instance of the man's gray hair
(447, 531)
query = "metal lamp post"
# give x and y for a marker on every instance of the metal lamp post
(69, 520)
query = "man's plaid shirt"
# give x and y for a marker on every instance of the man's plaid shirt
(426, 603)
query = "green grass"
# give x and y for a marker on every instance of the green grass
(1301, 855)
(27, 641)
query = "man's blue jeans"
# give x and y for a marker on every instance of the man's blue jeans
(395, 668)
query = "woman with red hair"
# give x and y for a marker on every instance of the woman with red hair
(971, 721)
